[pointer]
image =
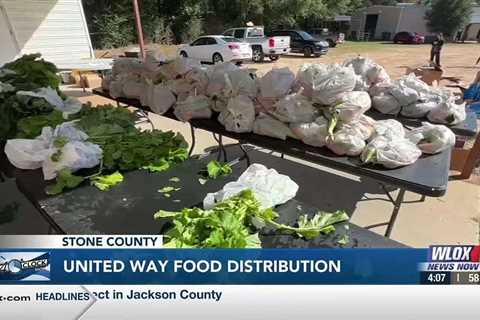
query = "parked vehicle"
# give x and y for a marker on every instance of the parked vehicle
(303, 42)
(333, 38)
(262, 46)
(216, 49)
(409, 38)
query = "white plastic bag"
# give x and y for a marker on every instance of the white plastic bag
(181, 88)
(391, 153)
(239, 115)
(50, 95)
(329, 86)
(307, 75)
(346, 142)
(194, 107)
(29, 154)
(418, 109)
(198, 80)
(314, 133)
(448, 113)
(363, 127)
(269, 187)
(123, 66)
(390, 129)
(216, 78)
(404, 95)
(294, 108)
(265, 125)
(432, 139)
(386, 104)
(158, 97)
(75, 155)
(276, 83)
(177, 68)
(351, 105)
(240, 82)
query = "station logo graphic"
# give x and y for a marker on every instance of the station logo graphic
(452, 258)
(24, 266)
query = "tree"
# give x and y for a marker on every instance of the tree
(448, 16)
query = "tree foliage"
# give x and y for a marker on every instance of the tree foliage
(448, 16)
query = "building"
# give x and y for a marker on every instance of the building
(383, 22)
(55, 28)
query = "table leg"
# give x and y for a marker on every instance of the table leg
(245, 152)
(396, 209)
(192, 147)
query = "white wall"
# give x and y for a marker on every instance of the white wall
(8, 49)
(55, 28)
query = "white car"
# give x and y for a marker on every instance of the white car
(216, 49)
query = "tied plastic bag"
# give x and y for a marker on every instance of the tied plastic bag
(448, 113)
(219, 103)
(194, 107)
(411, 81)
(386, 104)
(307, 75)
(336, 81)
(363, 127)
(269, 187)
(175, 69)
(198, 80)
(367, 71)
(418, 109)
(239, 115)
(126, 66)
(351, 105)
(216, 78)
(265, 125)
(404, 95)
(390, 129)
(346, 142)
(181, 88)
(74, 155)
(240, 82)
(158, 97)
(432, 139)
(391, 153)
(29, 154)
(66, 130)
(314, 133)
(50, 95)
(380, 88)
(294, 108)
(377, 74)
(276, 83)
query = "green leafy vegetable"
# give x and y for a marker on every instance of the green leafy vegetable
(65, 179)
(174, 179)
(31, 127)
(107, 181)
(168, 189)
(322, 222)
(216, 169)
(344, 240)
(234, 223)
(227, 225)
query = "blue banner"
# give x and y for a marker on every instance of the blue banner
(217, 266)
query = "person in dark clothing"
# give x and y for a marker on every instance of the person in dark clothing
(437, 45)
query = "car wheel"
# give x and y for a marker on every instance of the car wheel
(183, 54)
(257, 54)
(307, 52)
(274, 57)
(217, 58)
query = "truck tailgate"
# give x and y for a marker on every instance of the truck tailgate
(281, 42)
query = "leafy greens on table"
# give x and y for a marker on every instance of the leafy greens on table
(235, 223)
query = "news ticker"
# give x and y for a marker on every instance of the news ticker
(140, 259)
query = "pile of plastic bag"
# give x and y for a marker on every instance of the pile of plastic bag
(322, 105)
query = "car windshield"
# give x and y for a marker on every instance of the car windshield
(305, 35)
(230, 39)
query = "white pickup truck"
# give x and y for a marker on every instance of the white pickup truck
(262, 46)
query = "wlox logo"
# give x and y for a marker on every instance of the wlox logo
(24, 266)
(454, 254)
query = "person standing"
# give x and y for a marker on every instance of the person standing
(437, 45)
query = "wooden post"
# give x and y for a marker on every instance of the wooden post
(138, 24)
